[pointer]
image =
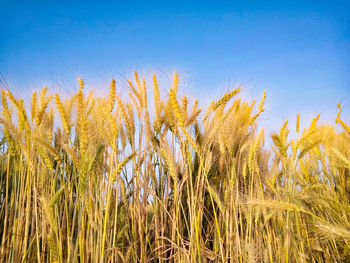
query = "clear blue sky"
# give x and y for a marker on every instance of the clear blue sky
(298, 50)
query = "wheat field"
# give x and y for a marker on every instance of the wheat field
(134, 176)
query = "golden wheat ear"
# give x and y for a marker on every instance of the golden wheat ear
(33, 106)
(223, 101)
(341, 122)
(63, 114)
(297, 123)
(111, 97)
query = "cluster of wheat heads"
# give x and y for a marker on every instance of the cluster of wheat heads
(115, 179)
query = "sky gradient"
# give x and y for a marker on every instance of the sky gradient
(299, 52)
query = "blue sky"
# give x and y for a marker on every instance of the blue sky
(299, 51)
